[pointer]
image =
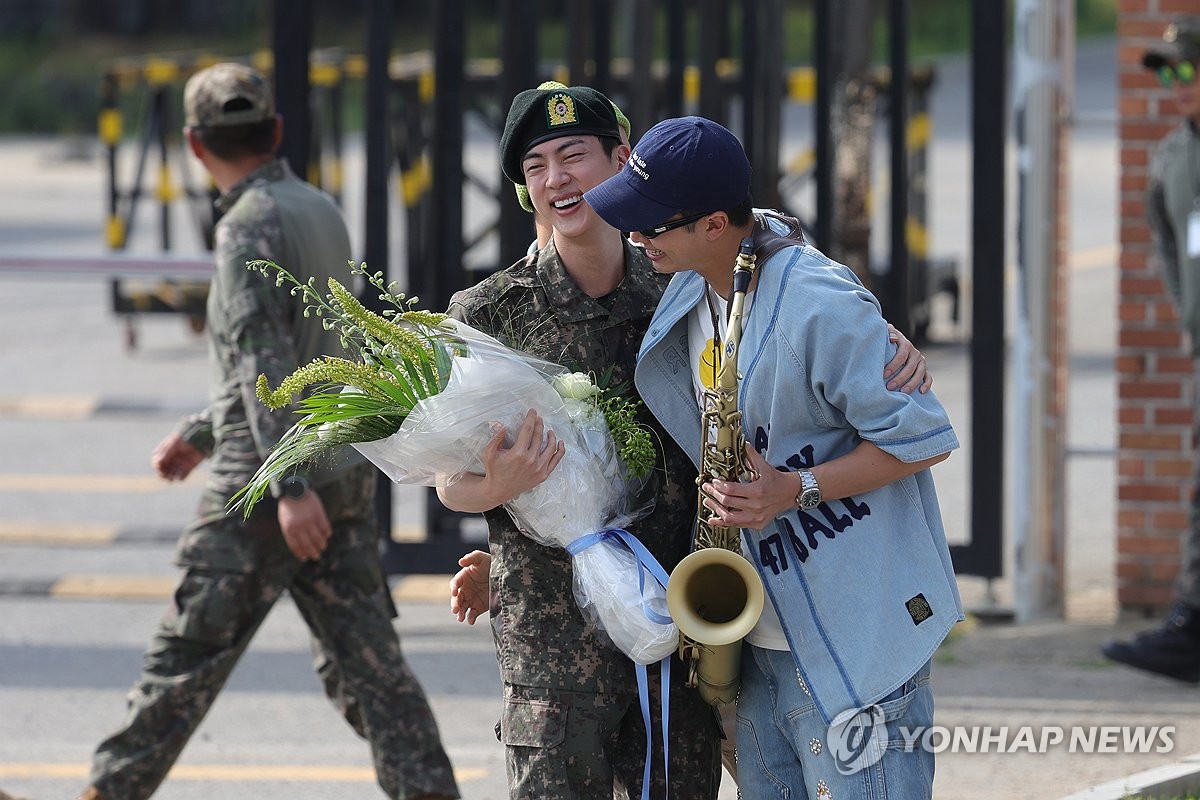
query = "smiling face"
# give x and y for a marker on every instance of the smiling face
(559, 171)
(675, 250)
(707, 246)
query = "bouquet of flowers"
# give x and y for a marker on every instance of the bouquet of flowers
(422, 404)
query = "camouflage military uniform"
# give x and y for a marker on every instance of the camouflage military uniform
(235, 570)
(1172, 196)
(571, 718)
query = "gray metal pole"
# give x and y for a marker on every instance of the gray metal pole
(1040, 108)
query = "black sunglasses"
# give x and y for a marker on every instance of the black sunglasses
(658, 230)
(1184, 72)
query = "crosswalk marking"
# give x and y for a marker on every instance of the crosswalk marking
(406, 589)
(56, 533)
(131, 586)
(72, 408)
(84, 534)
(57, 407)
(422, 588)
(34, 482)
(226, 772)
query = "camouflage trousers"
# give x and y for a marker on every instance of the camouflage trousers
(566, 745)
(234, 571)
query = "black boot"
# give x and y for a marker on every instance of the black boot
(1173, 649)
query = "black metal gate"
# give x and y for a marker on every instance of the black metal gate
(424, 132)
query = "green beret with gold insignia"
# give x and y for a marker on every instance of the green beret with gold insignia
(539, 115)
(622, 123)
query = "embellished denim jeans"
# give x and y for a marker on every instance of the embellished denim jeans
(786, 750)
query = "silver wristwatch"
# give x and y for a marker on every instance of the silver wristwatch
(810, 491)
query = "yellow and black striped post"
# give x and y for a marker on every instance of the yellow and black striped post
(109, 128)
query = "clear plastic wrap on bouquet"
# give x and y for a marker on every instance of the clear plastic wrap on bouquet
(588, 492)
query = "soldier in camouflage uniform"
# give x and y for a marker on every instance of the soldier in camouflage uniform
(571, 722)
(1173, 211)
(316, 537)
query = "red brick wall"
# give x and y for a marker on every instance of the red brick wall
(1154, 414)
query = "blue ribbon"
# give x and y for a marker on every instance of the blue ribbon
(647, 564)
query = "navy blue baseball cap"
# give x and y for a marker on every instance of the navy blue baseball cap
(681, 164)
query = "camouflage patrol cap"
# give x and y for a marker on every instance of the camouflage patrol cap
(1180, 42)
(227, 94)
(539, 115)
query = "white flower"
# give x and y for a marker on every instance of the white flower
(575, 386)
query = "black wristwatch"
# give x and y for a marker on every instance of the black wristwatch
(293, 487)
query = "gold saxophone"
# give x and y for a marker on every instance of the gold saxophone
(714, 595)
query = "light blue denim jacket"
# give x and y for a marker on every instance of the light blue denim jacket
(863, 586)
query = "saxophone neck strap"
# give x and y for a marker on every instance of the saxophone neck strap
(767, 241)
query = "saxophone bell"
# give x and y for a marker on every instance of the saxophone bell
(715, 597)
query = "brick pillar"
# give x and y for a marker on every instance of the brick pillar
(1154, 370)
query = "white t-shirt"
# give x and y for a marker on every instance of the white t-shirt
(704, 348)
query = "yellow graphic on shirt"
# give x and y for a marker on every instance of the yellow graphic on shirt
(708, 363)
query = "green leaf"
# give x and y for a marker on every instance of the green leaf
(415, 375)
(442, 360)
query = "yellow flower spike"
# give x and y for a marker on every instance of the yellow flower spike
(407, 343)
(397, 366)
(426, 319)
(321, 370)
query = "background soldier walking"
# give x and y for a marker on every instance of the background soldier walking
(316, 538)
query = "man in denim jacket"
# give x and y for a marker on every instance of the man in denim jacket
(842, 520)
